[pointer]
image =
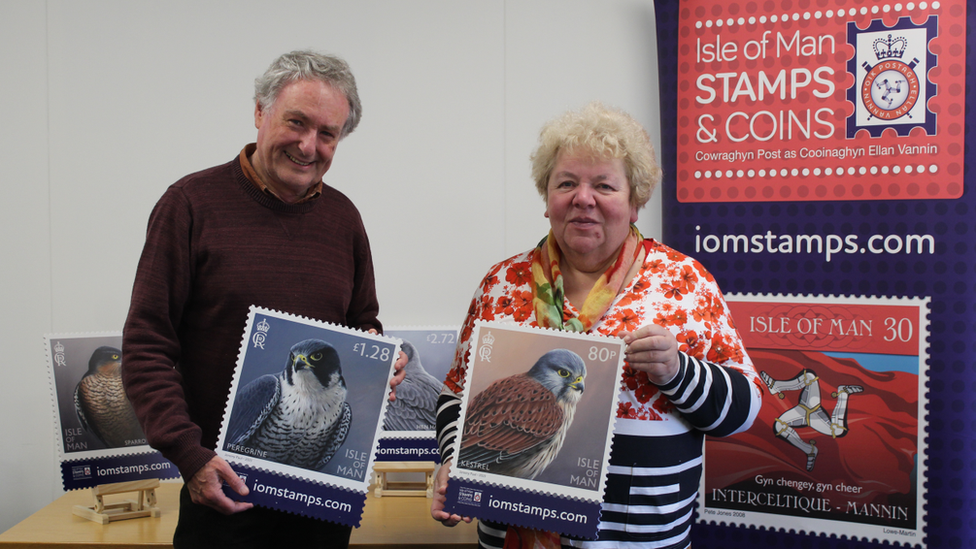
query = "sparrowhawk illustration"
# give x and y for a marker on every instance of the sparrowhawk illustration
(101, 404)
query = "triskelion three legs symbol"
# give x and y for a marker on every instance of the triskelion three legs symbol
(809, 412)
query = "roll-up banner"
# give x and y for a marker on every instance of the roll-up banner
(815, 162)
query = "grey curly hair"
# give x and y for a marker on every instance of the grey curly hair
(601, 132)
(310, 65)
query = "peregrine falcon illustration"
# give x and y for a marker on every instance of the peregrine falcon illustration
(416, 397)
(518, 424)
(299, 417)
(101, 404)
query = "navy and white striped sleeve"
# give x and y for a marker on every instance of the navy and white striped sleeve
(448, 412)
(716, 399)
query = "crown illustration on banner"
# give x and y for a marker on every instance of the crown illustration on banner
(890, 48)
(263, 326)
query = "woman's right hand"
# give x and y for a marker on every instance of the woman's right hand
(440, 497)
(653, 350)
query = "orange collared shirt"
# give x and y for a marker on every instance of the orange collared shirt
(313, 192)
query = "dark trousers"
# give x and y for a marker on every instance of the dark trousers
(200, 526)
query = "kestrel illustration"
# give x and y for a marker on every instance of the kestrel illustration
(518, 424)
(299, 417)
(101, 404)
(415, 406)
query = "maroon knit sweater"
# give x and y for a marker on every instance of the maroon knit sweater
(215, 245)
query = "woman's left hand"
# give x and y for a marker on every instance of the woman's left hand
(653, 350)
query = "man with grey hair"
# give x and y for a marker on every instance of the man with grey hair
(262, 229)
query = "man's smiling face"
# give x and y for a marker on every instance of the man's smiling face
(297, 136)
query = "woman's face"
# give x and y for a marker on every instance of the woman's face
(589, 210)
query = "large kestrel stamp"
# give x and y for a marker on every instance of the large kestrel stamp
(99, 438)
(537, 416)
(839, 445)
(304, 414)
(409, 426)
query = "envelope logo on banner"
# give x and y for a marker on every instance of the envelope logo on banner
(890, 67)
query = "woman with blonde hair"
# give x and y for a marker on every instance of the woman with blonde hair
(687, 373)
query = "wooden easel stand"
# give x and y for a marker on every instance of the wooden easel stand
(144, 506)
(384, 487)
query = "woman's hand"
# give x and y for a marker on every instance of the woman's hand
(440, 497)
(653, 350)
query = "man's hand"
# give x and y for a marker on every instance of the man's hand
(206, 487)
(399, 372)
(653, 350)
(440, 497)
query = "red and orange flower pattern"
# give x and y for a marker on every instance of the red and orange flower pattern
(671, 290)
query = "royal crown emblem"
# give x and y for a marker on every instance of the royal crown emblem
(485, 351)
(260, 333)
(890, 48)
(59, 354)
(263, 326)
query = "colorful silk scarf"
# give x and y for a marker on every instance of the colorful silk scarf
(550, 295)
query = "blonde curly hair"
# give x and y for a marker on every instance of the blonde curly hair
(602, 133)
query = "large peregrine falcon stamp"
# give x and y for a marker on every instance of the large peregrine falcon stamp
(303, 417)
(537, 415)
(99, 438)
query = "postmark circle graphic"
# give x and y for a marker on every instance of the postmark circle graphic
(890, 90)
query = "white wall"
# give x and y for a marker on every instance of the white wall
(107, 102)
